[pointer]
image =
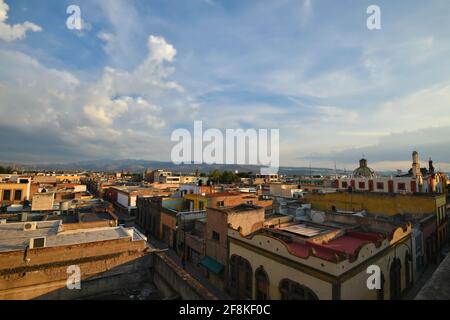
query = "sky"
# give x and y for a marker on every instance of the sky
(139, 69)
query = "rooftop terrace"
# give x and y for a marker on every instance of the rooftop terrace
(338, 238)
(13, 237)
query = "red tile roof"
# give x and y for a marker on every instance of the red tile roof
(338, 248)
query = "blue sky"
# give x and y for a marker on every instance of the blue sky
(139, 69)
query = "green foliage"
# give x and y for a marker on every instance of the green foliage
(215, 176)
(228, 177)
(244, 174)
(5, 170)
(225, 177)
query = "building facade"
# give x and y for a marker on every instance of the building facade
(308, 261)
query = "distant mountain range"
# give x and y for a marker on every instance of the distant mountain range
(138, 166)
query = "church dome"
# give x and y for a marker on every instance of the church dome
(363, 170)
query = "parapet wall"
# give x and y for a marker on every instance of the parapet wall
(167, 275)
(43, 273)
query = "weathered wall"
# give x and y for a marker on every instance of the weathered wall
(168, 219)
(42, 201)
(44, 275)
(168, 275)
(216, 221)
(249, 221)
(128, 275)
(89, 225)
(105, 267)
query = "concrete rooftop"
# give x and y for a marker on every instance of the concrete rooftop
(14, 238)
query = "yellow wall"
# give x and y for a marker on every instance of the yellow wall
(196, 199)
(318, 274)
(277, 272)
(355, 288)
(388, 204)
(70, 178)
(12, 187)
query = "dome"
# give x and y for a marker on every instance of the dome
(363, 170)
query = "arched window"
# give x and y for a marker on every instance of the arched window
(262, 284)
(395, 279)
(241, 278)
(291, 290)
(407, 270)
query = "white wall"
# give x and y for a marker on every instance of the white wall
(79, 188)
(384, 180)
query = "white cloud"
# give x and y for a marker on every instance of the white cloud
(112, 96)
(109, 40)
(389, 131)
(122, 112)
(14, 32)
(153, 122)
(421, 109)
(105, 36)
(336, 115)
(160, 50)
(106, 111)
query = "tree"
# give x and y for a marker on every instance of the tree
(228, 177)
(244, 174)
(215, 176)
(5, 170)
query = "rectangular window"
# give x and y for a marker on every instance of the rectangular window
(250, 202)
(380, 186)
(6, 195)
(401, 187)
(215, 236)
(344, 184)
(201, 205)
(17, 195)
(220, 204)
(362, 185)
